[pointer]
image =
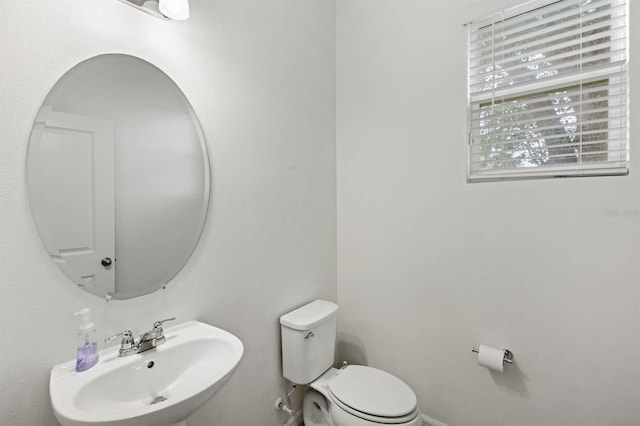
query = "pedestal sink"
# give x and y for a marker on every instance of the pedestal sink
(161, 386)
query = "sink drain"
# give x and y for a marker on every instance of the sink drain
(158, 399)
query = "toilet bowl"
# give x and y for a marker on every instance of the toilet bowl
(359, 396)
(354, 395)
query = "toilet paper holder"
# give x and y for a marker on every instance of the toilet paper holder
(508, 355)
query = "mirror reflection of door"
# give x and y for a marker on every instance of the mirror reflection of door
(69, 157)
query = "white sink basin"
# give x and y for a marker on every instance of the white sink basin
(180, 375)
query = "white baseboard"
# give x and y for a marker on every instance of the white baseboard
(295, 420)
(428, 421)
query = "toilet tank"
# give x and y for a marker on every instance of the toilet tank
(308, 341)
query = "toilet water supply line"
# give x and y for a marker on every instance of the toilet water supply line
(288, 406)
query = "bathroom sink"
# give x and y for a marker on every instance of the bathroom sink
(161, 386)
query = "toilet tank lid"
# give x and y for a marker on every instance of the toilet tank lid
(310, 315)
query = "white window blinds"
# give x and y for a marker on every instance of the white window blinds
(548, 91)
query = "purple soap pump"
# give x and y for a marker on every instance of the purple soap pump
(87, 355)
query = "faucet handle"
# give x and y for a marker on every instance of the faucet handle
(157, 332)
(126, 336)
(127, 344)
(157, 324)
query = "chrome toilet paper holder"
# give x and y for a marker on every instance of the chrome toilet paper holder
(508, 355)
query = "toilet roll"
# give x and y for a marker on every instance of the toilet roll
(491, 358)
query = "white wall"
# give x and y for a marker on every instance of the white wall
(429, 266)
(419, 276)
(260, 76)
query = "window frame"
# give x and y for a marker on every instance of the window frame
(615, 72)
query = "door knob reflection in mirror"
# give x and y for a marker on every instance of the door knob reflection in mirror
(106, 262)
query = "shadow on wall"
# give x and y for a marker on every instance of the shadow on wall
(512, 380)
(350, 349)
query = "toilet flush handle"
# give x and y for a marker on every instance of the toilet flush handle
(309, 335)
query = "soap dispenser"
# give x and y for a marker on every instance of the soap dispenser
(87, 355)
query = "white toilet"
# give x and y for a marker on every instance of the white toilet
(351, 396)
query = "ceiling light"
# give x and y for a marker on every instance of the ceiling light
(164, 9)
(175, 9)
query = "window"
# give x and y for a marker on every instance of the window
(548, 91)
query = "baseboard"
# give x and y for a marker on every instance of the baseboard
(428, 421)
(295, 420)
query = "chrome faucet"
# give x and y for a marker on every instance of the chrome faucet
(153, 337)
(148, 340)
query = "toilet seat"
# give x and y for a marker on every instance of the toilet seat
(373, 395)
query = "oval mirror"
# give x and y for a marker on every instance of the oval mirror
(118, 176)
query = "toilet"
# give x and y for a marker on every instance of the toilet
(354, 395)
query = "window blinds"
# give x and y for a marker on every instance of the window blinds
(548, 91)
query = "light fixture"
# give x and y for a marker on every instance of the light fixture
(175, 9)
(163, 9)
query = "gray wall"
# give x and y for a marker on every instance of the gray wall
(260, 76)
(429, 266)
